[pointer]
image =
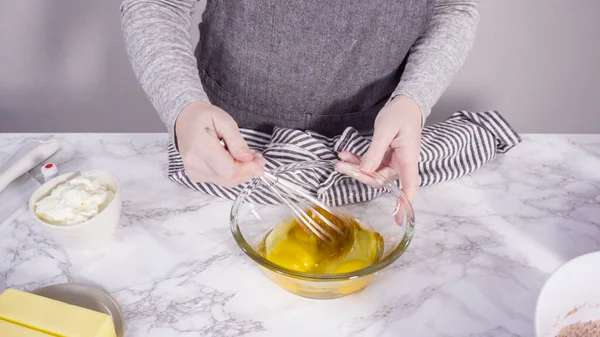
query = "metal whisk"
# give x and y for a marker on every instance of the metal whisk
(279, 185)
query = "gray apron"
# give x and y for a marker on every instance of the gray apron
(306, 64)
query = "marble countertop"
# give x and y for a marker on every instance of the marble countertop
(484, 245)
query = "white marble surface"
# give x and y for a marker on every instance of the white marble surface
(483, 247)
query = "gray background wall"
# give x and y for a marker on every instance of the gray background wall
(63, 68)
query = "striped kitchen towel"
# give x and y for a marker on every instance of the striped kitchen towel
(449, 149)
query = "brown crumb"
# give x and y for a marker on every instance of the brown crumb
(581, 329)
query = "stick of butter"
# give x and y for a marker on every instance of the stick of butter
(15, 330)
(53, 317)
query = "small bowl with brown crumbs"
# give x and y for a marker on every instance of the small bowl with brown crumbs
(569, 303)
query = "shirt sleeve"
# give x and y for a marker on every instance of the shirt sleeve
(439, 53)
(158, 43)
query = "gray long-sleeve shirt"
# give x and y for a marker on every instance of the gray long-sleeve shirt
(157, 38)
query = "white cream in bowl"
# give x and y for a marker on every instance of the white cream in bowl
(79, 210)
(74, 201)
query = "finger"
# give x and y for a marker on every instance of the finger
(355, 159)
(218, 159)
(388, 173)
(405, 162)
(258, 157)
(254, 168)
(387, 157)
(210, 161)
(349, 157)
(382, 138)
(244, 173)
(354, 171)
(230, 172)
(203, 173)
(402, 212)
(234, 141)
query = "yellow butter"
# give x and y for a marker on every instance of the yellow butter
(53, 317)
(14, 330)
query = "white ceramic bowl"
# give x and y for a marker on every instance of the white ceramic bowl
(570, 295)
(90, 234)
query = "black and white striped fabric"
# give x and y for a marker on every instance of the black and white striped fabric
(450, 149)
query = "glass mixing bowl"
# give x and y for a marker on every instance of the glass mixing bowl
(390, 214)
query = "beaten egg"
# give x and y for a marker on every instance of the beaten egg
(290, 245)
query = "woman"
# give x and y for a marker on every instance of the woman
(378, 66)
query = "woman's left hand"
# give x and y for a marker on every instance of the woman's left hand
(394, 151)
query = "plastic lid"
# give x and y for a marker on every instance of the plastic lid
(49, 171)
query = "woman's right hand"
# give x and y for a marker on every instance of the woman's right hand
(199, 129)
